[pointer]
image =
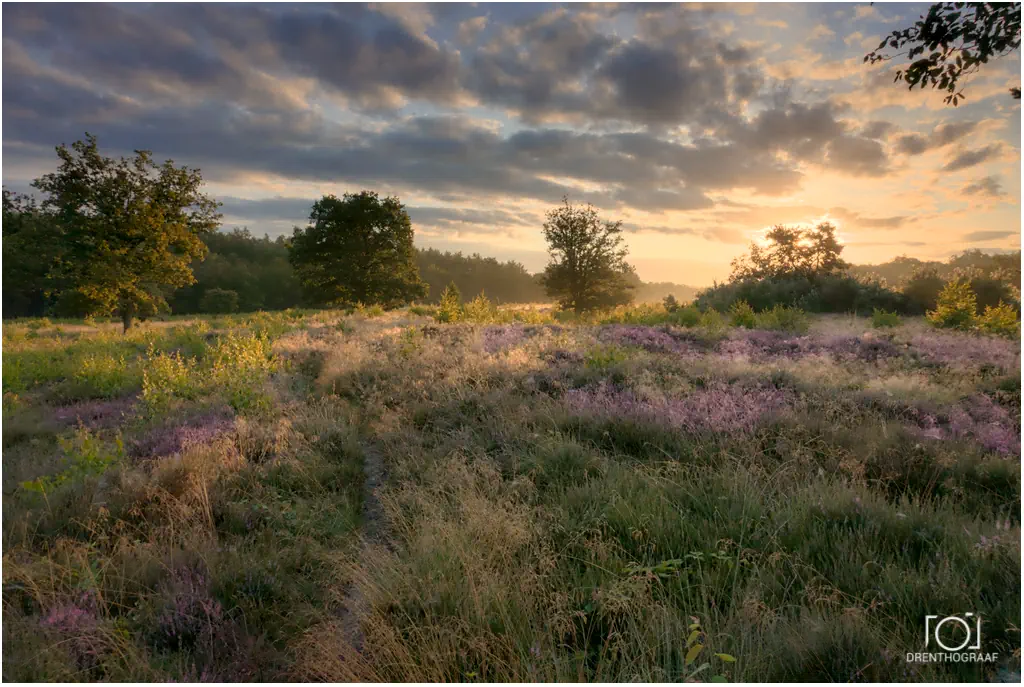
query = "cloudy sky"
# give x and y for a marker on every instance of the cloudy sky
(696, 125)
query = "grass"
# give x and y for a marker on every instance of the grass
(631, 495)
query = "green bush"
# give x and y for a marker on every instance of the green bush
(480, 310)
(1000, 320)
(824, 293)
(742, 315)
(450, 307)
(782, 318)
(85, 455)
(955, 308)
(670, 303)
(219, 301)
(713, 322)
(104, 376)
(881, 319)
(165, 378)
(686, 317)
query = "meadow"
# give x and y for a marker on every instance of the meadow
(512, 495)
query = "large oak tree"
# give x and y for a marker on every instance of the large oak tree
(357, 249)
(127, 229)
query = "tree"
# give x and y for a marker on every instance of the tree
(588, 267)
(792, 252)
(357, 249)
(127, 229)
(29, 244)
(959, 37)
(219, 301)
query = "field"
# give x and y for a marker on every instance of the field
(379, 496)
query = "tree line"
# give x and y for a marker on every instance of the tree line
(132, 238)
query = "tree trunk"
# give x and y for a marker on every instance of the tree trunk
(126, 319)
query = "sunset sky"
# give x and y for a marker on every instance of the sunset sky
(696, 125)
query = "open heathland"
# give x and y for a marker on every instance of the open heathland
(517, 497)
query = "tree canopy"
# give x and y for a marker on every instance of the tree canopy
(952, 41)
(125, 230)
(587, 267)
(792, 252)
(357, 249)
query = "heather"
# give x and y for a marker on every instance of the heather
(513, 495)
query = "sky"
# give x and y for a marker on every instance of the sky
(696, 125)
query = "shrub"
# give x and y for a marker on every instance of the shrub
(713, 322)
(240, 366)
(479, 310)
(826, 293)
(604, 357)
(85, 455)
(1000, 320)
(784, 319)
(450, 307)
(923, 288)
(955, 308)
(166, 377)
(686, 317)
(742, 315)
(104, 376)
(670, 303)
(219, 301)
(881, 319)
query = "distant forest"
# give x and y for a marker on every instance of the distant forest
(255, 275)
(257, 269)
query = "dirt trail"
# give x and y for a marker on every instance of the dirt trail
(355, 606)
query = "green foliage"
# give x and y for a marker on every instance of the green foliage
(956, 307)
(219, 301)
(507, 282)
(881, 319)
(128, 229)
(450, 307)
(670, 303)
(84, 455)
(105, 376)
(167, 377)
(588, 267)
(713, 322)
(479, 310)
(792, 252)
(603, 358)
(239, 367)
(923, 288)
(357, 249)
(742, 315)
(257, 269)
(783, 318)
(828, 293)
(952, 42)
(687, 317)
(1000, 320)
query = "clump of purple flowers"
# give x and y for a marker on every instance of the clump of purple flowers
(177, 436)
(718, 407)
(760, 344)
(979, 419)
(964, 350)
(77, 624)
(649, 338)
(192, 617)
(502, 338)
(98, 414)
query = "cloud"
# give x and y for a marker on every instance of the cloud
(942, 135)
(986, 236)
(986, 186)
(858, 220)
(970, 158)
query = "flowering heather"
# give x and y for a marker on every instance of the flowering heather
(962, 350)
(976, 418)
(760, 344)
(172, 438)
(99, 414)
(718, 407)
(502, 338)
(648, 338)
(77, 624)
(191, 617)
